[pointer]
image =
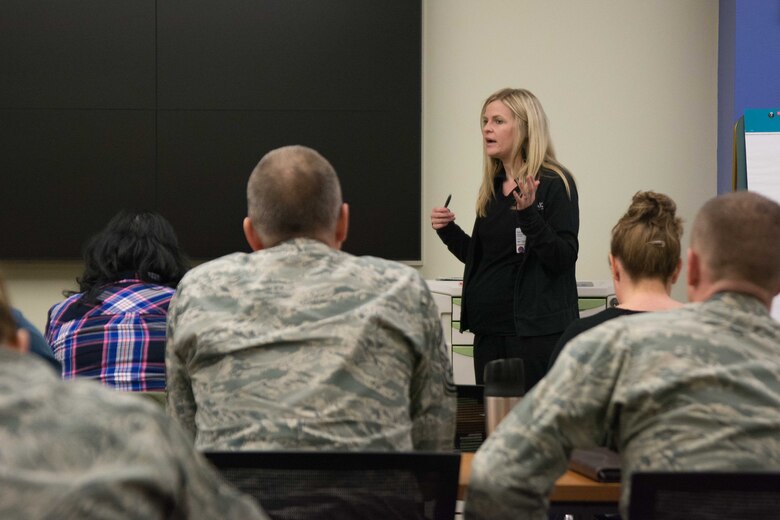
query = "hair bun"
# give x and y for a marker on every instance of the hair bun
(647, 238)
(652, 207)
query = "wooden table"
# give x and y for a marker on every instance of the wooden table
(571, 487)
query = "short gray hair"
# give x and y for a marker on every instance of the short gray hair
(738, 237)
(293, 192)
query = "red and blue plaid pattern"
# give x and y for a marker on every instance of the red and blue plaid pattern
(120, 340)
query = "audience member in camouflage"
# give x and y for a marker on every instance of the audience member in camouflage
(690, 389)
(76, 450)
(299, 345)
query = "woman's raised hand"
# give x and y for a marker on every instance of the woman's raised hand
(527, 193)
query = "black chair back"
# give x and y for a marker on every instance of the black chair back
(470, 418)
(292, 485)
(704, 495)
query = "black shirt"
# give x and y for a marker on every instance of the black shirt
(490, 293)
(581, 325)
(545, 289)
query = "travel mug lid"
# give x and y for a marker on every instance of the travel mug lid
(504, 378)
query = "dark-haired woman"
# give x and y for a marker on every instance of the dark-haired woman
(113, 330)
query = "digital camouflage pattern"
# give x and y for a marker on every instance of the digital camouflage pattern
(301, 346)
(697, 388)
(76, 450)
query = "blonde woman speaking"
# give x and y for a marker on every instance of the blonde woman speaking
(519, 288)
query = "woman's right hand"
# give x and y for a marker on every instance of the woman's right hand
(440, 217)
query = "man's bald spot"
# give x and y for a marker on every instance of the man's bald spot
(293, 191)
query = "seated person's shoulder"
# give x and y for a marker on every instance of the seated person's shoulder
(383, 264)
(38, 344)
(87, 400)
(631, 333)
(389, 271)
(214, 268)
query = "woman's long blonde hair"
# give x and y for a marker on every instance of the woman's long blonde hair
(534, 153)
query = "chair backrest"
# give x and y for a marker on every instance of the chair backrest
(704, 495)
(470, 418)
(340, 485)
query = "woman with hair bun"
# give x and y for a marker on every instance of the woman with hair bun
(113, 330)
(644, 260)
(519, 287)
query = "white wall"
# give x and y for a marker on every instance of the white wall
(629, 86)
(33, 287)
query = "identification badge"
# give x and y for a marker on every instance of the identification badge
(519, 241)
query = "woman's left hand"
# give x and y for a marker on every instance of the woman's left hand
(527, 194)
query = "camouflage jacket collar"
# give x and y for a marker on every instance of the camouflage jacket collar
(739, 301)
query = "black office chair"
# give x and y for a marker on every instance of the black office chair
(470, 418)
(704, 495)
(292, 485)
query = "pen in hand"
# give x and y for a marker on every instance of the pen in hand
(441, 217)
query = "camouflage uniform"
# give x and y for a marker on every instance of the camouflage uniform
(693, 389)
(302, 346)
(72, 449)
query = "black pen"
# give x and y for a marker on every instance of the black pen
(447, 202)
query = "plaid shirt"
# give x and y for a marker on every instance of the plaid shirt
(120, 340)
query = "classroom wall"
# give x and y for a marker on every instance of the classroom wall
(34, 287)
(629, 86)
